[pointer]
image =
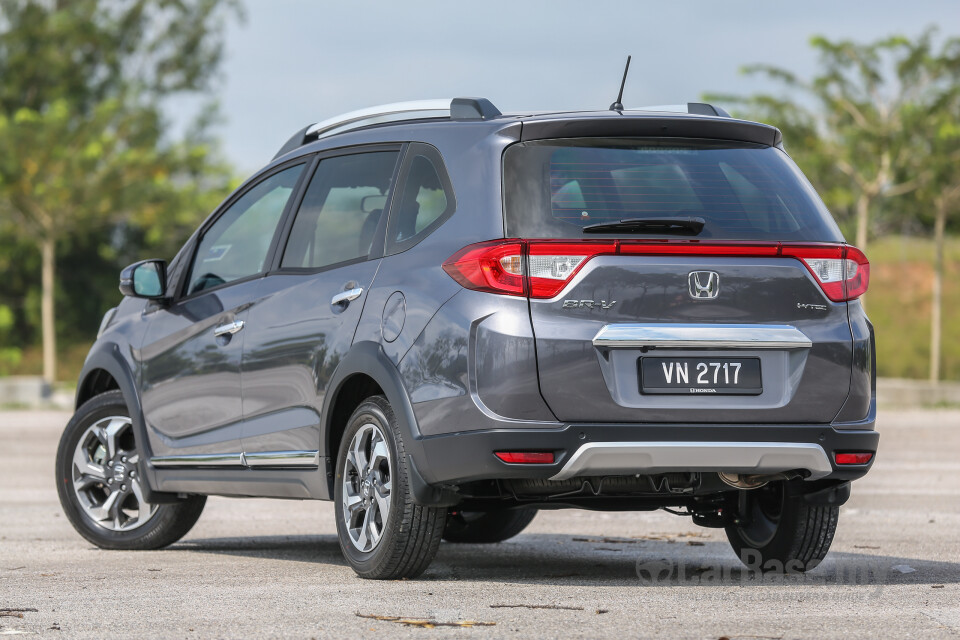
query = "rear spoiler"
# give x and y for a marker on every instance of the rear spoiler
(650, 125)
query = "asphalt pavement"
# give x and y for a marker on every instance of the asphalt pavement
(271, 568)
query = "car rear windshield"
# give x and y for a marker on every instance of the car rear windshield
(742, 191)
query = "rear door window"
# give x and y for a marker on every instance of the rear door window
(341, 210)
(555, 188)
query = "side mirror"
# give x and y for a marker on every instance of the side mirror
(145, 279)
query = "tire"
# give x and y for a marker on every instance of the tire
(371, 478)
(85, 493)
(776, 531)
(483, 527)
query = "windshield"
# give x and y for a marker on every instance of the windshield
(555, 188)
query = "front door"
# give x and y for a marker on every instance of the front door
(191, 353)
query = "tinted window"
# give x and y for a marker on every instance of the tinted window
(426, 200)
(742, 191)
(236, 245)
(341, 210)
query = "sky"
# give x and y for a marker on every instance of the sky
(291, 63)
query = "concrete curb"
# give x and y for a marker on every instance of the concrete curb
(902, 392)
(31, 392)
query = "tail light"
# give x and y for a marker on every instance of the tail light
(842, 271)
(553, 264)
(521, 268)
(495, 267)
(543, 268)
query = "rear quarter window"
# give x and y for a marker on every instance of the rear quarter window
(554, 188)
(426, 198)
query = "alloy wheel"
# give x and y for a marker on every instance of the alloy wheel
(367, 485)
(105, 477)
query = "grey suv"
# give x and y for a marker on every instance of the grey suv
(444, 318)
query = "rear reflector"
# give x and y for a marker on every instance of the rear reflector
(525, 457)
(853, 458)
(543, 268)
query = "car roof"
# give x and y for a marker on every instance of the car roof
(435, 118)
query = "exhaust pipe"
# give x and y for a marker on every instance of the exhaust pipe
(741, 481)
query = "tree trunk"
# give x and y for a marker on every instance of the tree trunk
(47, 324)
(937, 303)
(863, 220)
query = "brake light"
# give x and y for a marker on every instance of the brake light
(495, 267)
(853, 458)
(543, 268)
(842, 271)
(697, 248)
(525, 457)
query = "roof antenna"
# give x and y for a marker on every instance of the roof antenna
(618, 105)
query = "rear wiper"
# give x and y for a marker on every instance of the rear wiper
(682, 225)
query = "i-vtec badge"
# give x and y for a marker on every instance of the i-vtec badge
(704, 285)
(588, 304)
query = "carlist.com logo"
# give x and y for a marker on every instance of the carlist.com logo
(843, 571)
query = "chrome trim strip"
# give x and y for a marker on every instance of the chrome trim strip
(282, 459)
(259, 459)
(199, 460)
(702, 336)
(622, 458)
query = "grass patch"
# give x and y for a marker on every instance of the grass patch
(899, 305)
(70, 358)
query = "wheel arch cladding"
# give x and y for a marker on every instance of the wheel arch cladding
(96, 381)
(354, 390)
(106, 369)
(106, 366)
(364, 368)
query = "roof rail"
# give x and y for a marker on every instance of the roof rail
(456, 109)
(698, 108)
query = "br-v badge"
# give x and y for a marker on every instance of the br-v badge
(704, 285)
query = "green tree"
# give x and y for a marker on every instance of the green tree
(936, 136)
(945, 202)
(880, 120)
(847, 127)
(81, 123)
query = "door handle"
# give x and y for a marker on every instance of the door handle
(346, 296)
(228, 329)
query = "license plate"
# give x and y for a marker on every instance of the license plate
(701, 376)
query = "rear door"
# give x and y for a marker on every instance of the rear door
(713, 313)
(190, 382)
(310, 304)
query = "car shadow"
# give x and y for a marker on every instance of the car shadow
(586, 560)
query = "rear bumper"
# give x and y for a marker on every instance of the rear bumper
(624, 449)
